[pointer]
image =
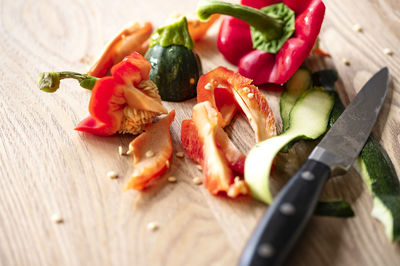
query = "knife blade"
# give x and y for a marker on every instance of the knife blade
(285, 219)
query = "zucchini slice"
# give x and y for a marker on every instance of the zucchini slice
(308, 120)
(378, 173)
(296, 85)
(338, 208)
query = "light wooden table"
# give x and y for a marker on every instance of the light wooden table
(46, 167)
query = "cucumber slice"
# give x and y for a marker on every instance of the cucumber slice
(338, 208)
(296, 85)
(378, 173)
(325, 78)
(308, 119)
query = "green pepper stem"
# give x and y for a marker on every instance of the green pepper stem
(268, 25)
(50, 81)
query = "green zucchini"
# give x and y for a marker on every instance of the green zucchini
(378, 173)
(338, 208)
(308, 120)
(296, 85)
(325, 78)
(175, 68)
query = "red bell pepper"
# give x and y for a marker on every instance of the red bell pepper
(124, 102)
(235, 37)
(157, 140)
(220, 93)
(228, 91)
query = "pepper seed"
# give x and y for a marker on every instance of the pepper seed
(197, 181)
(56, 218)
(172, 179)
(121, 151)
(149, 154)
(357, 28)
(387, 51)
(250, 95)
(152, 226)
(112, 175)
(180, 154)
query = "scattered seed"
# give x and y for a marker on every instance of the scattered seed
(172, 179)
(152, 226)
(346, 62)
(357, 28)
(121, 151)
(192, 80)
(112, 175)
(130, 151)
(208, 86)
(199, 167)
(250, 95)
(167, 163)
(180, 154)
(56, 218)
(149, 153)
(388, 51)
(197, 180)
(246, 89)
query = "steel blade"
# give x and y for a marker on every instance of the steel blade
(344, 141)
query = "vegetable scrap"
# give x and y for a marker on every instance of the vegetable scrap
(204, 139)
(149, 168)
(267, 39)
(175, 68)
(132, 38)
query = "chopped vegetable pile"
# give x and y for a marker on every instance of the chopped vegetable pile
(268, 40)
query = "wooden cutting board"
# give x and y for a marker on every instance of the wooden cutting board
(46, 167)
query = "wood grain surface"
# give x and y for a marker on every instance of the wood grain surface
(46, 167)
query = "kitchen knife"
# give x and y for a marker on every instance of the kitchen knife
(286, 218)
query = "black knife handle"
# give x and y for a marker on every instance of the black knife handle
(286, 218)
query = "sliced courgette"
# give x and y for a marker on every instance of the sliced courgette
(338, 208)
(378, 173)
(296, 85)
(308, 120)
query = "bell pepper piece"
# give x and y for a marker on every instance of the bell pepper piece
(157, 140)
(218, 176)
(261, 66)
(237, 91)
(198, 29)
(256, 108)
(193, 146)
(112, 95)
(215, 88)
(133, 37)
